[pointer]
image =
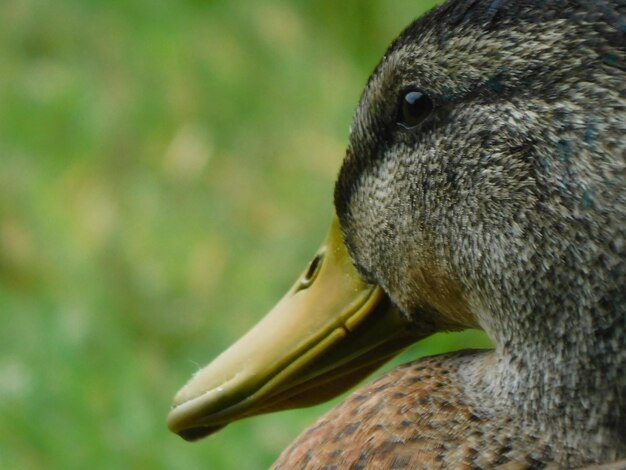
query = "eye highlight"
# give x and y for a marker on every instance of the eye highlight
(415, 106)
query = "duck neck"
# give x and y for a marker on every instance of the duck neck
(560, 364)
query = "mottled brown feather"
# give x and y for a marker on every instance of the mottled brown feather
(420, 416)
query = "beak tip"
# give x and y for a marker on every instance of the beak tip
(195, 434)
(189, 432)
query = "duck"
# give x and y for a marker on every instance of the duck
(483, 186)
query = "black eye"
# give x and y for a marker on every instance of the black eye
(415, 106)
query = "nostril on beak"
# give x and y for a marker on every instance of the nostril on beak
(311, 272)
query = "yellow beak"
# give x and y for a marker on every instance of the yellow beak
(329, 331)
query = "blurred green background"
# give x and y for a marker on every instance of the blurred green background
(166, 171)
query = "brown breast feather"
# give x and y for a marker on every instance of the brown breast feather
(418, 416)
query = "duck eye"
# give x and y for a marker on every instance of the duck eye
(415, 106)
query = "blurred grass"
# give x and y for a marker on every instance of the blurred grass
(166, 172)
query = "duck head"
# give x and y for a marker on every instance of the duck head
(483, 186)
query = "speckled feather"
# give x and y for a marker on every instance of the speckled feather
(504, 210)
(406, 419)
(419, 416)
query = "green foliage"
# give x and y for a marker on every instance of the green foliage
(166, 171)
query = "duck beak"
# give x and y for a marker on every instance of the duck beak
(329, 331)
